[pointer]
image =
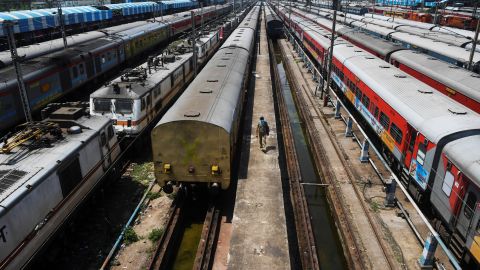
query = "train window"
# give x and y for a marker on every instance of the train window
(384, 121)
(101, 105)
(448, 183)
(103, 138)
(103, 58)
(74, 72)
(470, 205)
(110, 132)
(81, 69)
(421, 153)
(366, 101)
(109, 56)
(124, 106)
(142, 107)
(396, 133)
(412, 141)
(69, 176)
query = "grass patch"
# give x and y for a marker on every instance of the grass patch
(153, 195)
(172, 195)
(155, 235)
(143, 173)
(375, 206)
(130, 236)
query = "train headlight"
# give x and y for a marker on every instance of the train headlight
(216, 170)
(167, 168)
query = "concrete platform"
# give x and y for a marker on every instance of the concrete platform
(259, 234)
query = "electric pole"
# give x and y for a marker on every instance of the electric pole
(475, 40)
(62, 23)
(330, 54)
(18, 70)
(194, 47)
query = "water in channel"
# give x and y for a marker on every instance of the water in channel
(329, 248)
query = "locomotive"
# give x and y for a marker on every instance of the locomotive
(46, 171)
(195, 141)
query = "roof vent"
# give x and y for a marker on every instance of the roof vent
(192, 114)
(74, 130)
(457, 110)
(369, 57)
(431, 58)
(475, 75)
(212, 80)
(206, 91)
(425, 91)
(358, 50)
(454, 67)
(225, 58)
(401, 76)
(348, 45)
(384, 66)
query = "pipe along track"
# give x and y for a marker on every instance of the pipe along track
(325, 169)
(169, 242)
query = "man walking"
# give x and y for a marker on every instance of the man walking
(262, 132)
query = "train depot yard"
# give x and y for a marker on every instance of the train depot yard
(238, 135)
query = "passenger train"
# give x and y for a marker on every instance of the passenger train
(134, 99)
(51, 76)
(451, 80)
(46, 171)
(195, 141)
(428, 139)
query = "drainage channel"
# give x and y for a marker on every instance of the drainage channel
(328, 244)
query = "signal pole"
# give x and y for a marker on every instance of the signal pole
(18, 70)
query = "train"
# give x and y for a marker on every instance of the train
(34, 26)
(274, 25)
(451, 80)
(134, 99)
(452, 46)
(195, 141)
(46, 170)
(426, 137)
(49, 77)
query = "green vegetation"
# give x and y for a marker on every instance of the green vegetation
(375, 206)
(143, 173)
(155, 235)
(153, 195)
(130, 236)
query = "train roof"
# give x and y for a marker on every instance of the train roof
(460, 153)
(379, 45)
(459, 54)
(456, 78)
(23, 169)
(383, 31)
(213, 95)
(427, 110)
(139, 87)
(240, 38)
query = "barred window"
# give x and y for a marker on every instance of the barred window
(384, 120)
(396, 133)
(366, 101)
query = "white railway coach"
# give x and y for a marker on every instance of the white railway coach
(45, 173)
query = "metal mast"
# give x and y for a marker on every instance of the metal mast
(475, 40)
(62, 23)
(330, 54)
(18, 70)
(194, 47)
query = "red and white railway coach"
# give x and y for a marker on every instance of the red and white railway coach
(429, 138)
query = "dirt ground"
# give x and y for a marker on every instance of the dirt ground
(136, 255)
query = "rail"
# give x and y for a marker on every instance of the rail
(307, 248)
(206, 246)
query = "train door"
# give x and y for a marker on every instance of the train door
(148, 102)
(89, 66)
(410, 146)
(105, 147)
(469, 206)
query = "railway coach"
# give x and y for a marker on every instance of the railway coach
(195, 141)
(427, 138)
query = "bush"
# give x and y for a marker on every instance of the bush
(155, 235)
(130, 236)
(153, 195)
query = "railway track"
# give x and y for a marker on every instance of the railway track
(357, 259)
(168, 243)
(306, 242)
